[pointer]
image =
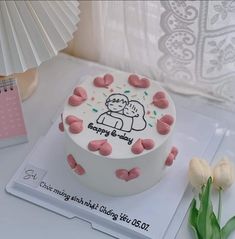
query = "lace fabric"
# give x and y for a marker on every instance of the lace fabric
(189, 46)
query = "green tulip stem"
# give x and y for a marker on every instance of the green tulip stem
(220, 205)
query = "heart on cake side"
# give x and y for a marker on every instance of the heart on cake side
(61, 124)
(77, 168)
(126, 175)
(171, 157)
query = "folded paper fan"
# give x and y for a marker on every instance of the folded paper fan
(34, 31)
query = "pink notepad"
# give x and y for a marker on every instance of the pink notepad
(12, 126)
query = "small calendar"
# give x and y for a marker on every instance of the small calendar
(12, 126)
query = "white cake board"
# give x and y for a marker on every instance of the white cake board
(46, 179)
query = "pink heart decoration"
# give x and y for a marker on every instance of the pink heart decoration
(75, 100)
(141, 144)
(147, 143)
(160, 100)
(71, 119)
(137, 147)
(95, 145)
(71, 161)
(164, 123)
(75, 124)
(103, 81)
(169, 160)
(135, 81)
(168, 119)
(122, 174)
(75, 166)
(61, 126)
(133, 173)
(171, 157)
(159, 95)
(105, 149)
(162, 127)
(174, 151)
(161, 103)
(79, 170)
(76, 127)
(108, 78)
(79, 95)
(127, 175)
(81, 92)
(101, 145)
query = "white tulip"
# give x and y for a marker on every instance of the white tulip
(199, 172)
(224, 174)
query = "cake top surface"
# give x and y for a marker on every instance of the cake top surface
(126, 111)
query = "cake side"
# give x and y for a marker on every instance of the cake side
(100, 173)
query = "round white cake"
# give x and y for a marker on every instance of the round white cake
(118, 130)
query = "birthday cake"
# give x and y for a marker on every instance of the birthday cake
(118, 133)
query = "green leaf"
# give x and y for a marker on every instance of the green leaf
(216, 233)
(228, 228)
(204, 222)
(193, 213)
(202, 191)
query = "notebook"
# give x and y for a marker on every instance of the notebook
(12, 126)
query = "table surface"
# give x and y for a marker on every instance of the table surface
(57, 77)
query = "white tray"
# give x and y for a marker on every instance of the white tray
(155, 209)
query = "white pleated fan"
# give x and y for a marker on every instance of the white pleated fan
(34, 31)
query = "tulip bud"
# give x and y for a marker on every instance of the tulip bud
(199, 172)
(223, 174)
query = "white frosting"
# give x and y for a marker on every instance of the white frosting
(122, 122)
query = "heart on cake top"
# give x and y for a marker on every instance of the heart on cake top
(102, 145)
(164, 124)
(141, 144)
(160, 100)
(78, 97)
(138, 82)
(104, 81)
(75, 124)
